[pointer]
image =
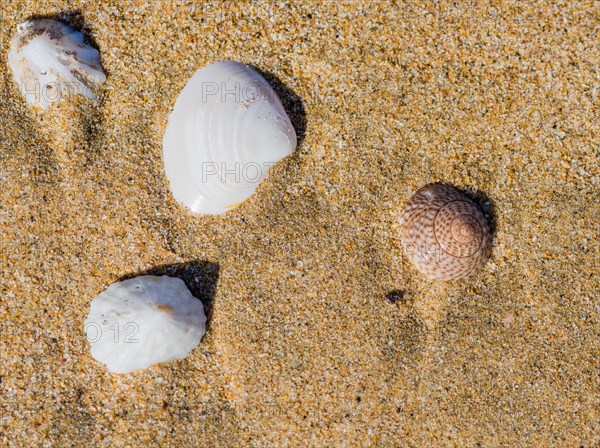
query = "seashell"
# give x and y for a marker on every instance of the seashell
(444, 233)
(143, 321)
(49, 59)
(226, 130)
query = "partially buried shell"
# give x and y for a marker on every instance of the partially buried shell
(143, 321)
(50, 60)
(228, 127)
(444, 233)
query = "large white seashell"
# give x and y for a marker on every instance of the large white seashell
(143, 321)
(50, 59)
(227, 128)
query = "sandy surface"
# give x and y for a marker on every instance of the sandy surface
(302, 348)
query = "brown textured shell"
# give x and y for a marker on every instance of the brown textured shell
(444, 233)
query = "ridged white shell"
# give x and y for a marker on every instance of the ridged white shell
(50, 60)
(143, 321)
(227, 128)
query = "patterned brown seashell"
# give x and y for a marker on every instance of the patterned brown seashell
(444, 233)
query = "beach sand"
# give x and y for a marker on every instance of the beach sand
(302, 348)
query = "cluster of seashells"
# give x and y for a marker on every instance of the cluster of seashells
(227, 128)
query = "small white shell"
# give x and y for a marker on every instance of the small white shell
(143, 321)
(50, 59)
(227, 128)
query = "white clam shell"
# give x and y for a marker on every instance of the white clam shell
(227, 128)
(143, 321)
(49, 60)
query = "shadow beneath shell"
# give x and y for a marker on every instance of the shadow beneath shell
(92, 122)
(292, 103)
(200, 277)
(74, 19)
(21, 133)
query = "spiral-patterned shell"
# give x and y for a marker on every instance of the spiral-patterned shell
(444, 233)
